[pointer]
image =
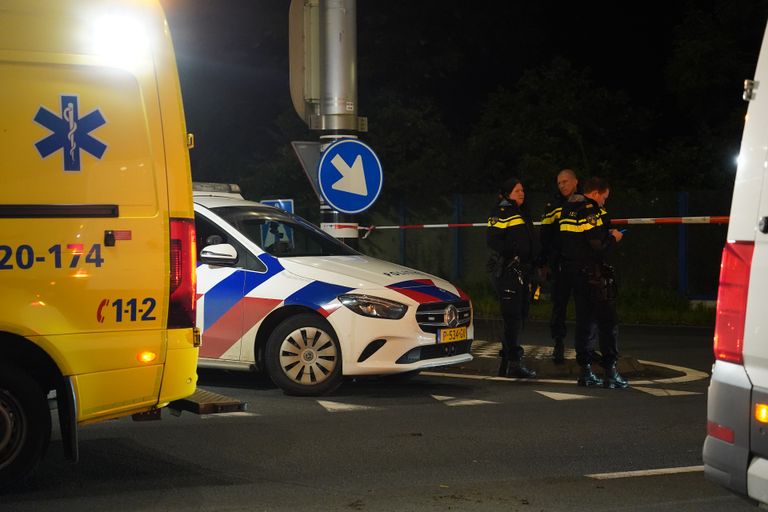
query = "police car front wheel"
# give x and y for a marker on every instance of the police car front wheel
(303, 356)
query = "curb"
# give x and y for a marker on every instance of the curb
(641, 372)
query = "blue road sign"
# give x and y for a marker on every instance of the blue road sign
(275, 232)
(283, 204)
(349, 176)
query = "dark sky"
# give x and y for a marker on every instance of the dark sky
(230, 49)
(233, 60)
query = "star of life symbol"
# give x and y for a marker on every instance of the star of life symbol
(71, 133)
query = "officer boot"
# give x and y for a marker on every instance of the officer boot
(558, 352)
(613, 380)
(518, 370)
(503, 367)
(588, 378)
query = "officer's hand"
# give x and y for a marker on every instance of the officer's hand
(618, 235)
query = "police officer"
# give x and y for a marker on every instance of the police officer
(510, 237)
(586, 239)
(549, 260)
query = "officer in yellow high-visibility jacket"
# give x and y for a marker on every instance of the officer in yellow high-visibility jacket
(586, 238)
(510, 237)
(549, 260)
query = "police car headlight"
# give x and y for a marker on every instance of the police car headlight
(374, 307)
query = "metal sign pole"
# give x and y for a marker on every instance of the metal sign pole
(323, 64)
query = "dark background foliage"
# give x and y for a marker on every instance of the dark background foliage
(460, 94)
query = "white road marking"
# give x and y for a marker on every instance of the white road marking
(645, 472)
(236, 414)
(458, 402)
(341, 407)
(664, 392)
(563, 396)
(689, 374)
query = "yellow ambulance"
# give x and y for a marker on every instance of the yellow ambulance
(97, 242)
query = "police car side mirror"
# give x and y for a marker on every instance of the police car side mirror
(219, 254)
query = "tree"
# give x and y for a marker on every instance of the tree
(715, 49)
(555, 117)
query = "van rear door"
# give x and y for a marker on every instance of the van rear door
(749, 207)
(735, 450)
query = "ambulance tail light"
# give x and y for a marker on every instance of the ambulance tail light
(732, 301)
(183, 284)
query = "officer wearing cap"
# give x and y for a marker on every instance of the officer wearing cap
(510, 238)
(586, 239)
(549, 260)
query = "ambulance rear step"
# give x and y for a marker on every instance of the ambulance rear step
(207, 402)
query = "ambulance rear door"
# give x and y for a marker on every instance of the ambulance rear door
(84, 223)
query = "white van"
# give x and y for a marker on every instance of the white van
(736, 447)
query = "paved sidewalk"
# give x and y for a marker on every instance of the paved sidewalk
(539, 358)
(538, 354)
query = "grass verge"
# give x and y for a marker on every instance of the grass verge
(635, 306)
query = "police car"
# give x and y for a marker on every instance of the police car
(277, 294)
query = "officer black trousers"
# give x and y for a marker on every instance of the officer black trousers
(514, 308)
(590, 311)
(562, 288)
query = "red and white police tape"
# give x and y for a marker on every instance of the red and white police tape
(642, 220)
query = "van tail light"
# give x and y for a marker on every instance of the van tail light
(732, 301)
(181, 311)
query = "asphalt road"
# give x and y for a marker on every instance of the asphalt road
(441, 441)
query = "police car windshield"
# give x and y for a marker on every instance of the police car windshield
(281, 234)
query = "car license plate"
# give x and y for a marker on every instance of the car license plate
(451, 335)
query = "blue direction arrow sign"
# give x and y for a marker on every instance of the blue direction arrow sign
(349, 176)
